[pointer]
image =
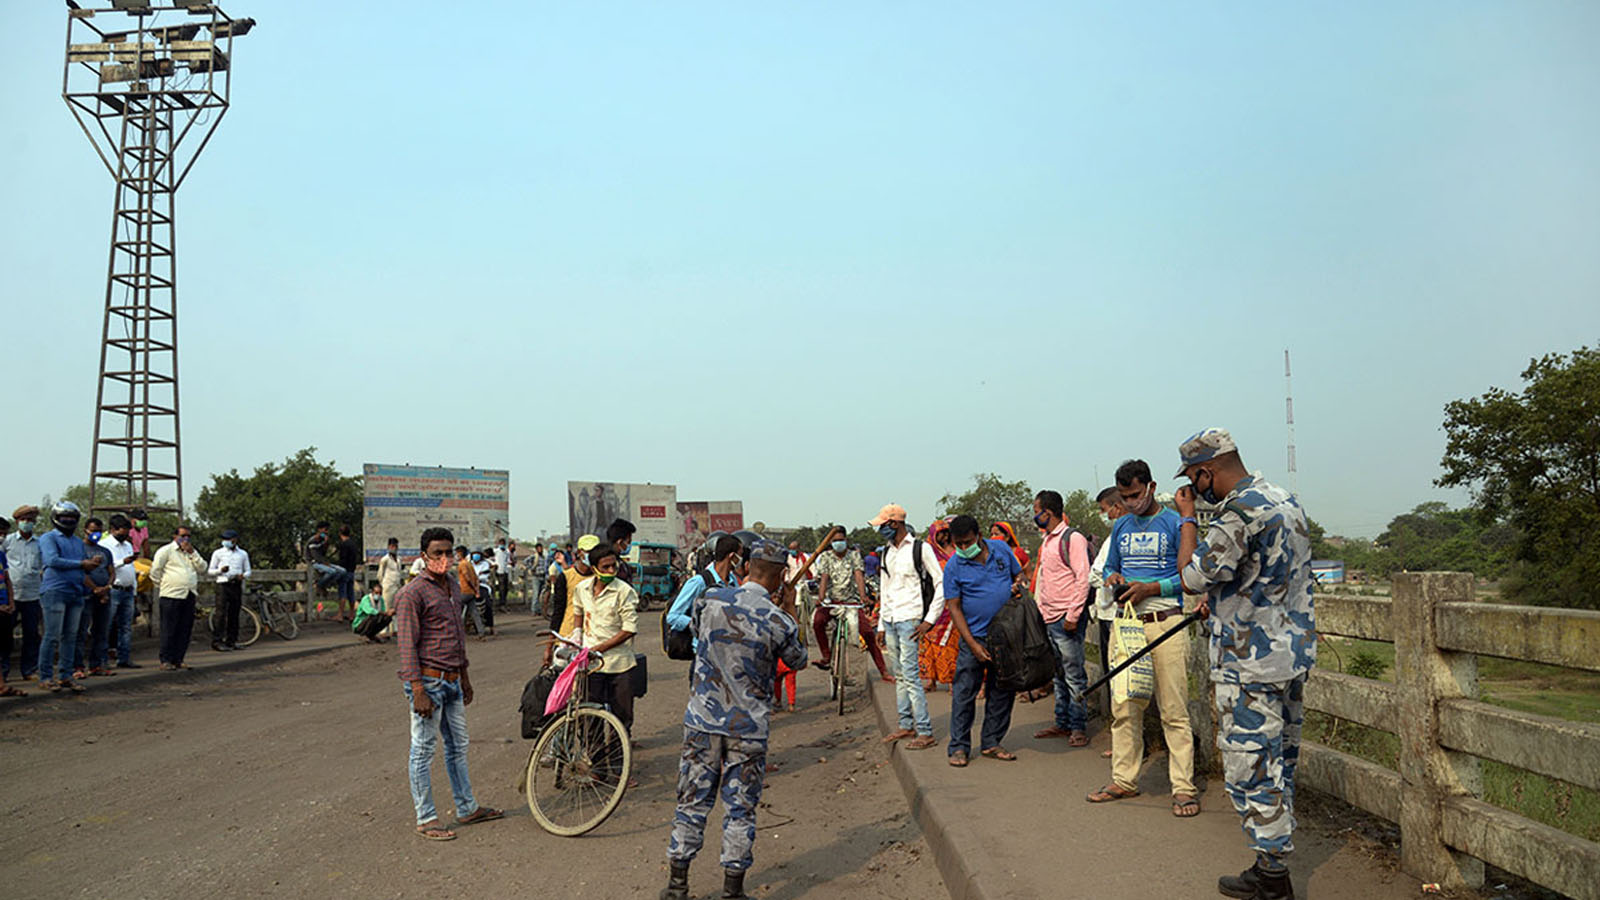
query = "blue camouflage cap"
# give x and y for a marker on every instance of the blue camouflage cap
(765, 550)
(1204, 445)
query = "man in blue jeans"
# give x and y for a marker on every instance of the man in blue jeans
(124, 580)
(1062, 592)
(433, 665)
(978, 580)
(62, 596)
(911, 599)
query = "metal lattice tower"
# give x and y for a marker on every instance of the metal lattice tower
(149, 97)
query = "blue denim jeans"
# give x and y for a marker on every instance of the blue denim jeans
(1072, 713)
(970, 674)
(449, 720)
(62, 610)
(122, 609)
(912, 704)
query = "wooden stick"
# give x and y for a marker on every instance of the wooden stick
(788, 586)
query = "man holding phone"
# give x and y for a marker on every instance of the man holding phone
(175, 572)
(124, 580)
(230, 565)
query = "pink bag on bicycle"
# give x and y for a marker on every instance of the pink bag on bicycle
(561, 691)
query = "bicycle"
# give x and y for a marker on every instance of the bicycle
(579, 767)
(249, 624)
(840, 642)
(275, 613)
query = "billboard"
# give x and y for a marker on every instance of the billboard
(401, 501)
(652, 508)
(699, 518)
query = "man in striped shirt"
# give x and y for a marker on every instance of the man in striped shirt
(433, 665)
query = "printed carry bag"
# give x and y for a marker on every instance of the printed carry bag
(1138, 681)
(561, 691)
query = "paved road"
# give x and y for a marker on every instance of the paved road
(288, 779)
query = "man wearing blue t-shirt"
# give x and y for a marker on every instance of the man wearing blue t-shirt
(979, 578)
(1142, 567)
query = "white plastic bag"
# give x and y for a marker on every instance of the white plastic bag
(1138, 681)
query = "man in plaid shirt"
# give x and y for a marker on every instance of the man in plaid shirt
(433, 665)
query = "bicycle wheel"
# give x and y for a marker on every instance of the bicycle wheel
(213, 621)
(280, 618)
(249, 626)
(578, 771)
(840, 644)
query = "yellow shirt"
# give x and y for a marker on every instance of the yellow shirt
(573, 580)
(607, 610)
(176, 573)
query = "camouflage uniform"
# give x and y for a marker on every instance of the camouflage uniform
(1255, 563)
(741, 635)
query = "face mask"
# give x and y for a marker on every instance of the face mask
(477, 557)
(438, 565)
(1209, 495)
(886, 530)
(227, 545)
(67, 526)
(838, 546)
(1139, 505)
(140, 523)
(25, 527)
(606, 579)
(95, 536)
(970, 552)
(1042, 520)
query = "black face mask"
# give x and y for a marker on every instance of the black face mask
(1209, 495)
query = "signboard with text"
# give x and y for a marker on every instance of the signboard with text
(652, 508)
(401, 501)
(698, 518)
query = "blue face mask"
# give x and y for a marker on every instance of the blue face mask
(95, 536)
(227, 545)
(886, 530)
(838, 546)
(477, 557)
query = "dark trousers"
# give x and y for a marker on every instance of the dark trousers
(819, 625)
(94, 632)
(177, 627)
(30, 616)
(374, 625)
(502, 588)
(615, 690)
(230, 595)
(970, 674)
(485, 607)
(8, 627)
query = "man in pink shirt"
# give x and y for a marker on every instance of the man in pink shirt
(1062, 594)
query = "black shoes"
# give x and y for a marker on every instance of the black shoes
(733, 885)
(1255, 884)
(677, 883)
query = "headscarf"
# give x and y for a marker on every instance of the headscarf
(943, 553)
(1011, 534)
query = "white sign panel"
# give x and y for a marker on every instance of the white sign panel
(401, 501)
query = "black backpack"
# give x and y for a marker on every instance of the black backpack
(1024, 658)
(1093, 545)
(680, 644)
(534, 695)
(923, 578)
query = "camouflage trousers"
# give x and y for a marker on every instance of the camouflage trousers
(1258, 732)
(713, 764)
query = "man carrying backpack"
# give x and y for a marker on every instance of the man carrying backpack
(1062, 595)
(911, 599)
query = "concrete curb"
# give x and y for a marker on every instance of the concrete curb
(127, 680)
(941, 824)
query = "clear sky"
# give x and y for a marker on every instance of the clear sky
(821, 256)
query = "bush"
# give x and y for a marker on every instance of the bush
(1365, 664)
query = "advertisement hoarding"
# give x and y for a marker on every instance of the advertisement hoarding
(698, 518)
(652, 508)
(401, 501)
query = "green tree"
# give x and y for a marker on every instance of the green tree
(276, 508)
(1532, 460)
(111, 493)
(1084, 514)
(992, 500)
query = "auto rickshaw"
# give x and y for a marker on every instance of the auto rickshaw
(656, 578)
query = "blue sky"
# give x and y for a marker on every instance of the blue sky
(822, 256)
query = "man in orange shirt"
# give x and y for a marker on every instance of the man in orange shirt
(467, 574)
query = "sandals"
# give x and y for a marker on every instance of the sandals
(1000, 753)
(1185, 806)
(1078, 739)
(9, 691)
(433, 831)
(1054, 731)
(959, 759)
(1109, 793)
(893, 736)
(482, 814)
(72, 686)
(920, 743)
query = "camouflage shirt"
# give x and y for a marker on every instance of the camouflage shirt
(841, 575)
(740, 636)
(1256, 564)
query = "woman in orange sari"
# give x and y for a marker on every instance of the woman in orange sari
(1002, 531)
(937, 655)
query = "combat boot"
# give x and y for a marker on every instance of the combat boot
(733, 885)
(677, 883)
(1256, 884)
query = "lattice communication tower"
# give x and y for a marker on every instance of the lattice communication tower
(148, 82)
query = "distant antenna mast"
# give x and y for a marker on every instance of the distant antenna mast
(1288, 410)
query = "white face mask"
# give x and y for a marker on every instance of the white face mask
(227, 545)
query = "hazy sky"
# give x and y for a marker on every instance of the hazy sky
(821, 256)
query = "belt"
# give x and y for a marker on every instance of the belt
(435, 673)
(1157, 616)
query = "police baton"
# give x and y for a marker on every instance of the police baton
(1182, 624)
(795, 578)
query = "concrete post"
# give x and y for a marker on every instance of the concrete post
(1424, 675)
(1202, 718)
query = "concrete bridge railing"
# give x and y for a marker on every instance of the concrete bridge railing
(1447, 831)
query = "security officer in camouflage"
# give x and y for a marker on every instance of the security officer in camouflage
(741, 633)
(1253, 575)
